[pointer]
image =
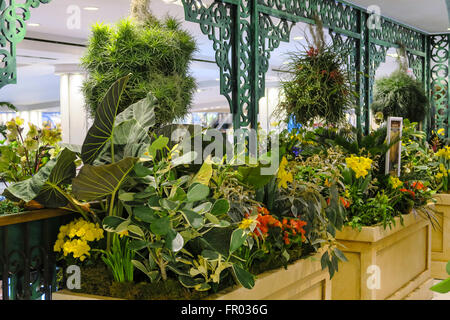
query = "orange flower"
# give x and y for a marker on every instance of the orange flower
(345, 202)
(264, 222)
(412, 193)
(286, 238)
(418, 185)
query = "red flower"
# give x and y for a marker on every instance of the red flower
(345, 202)
(412, 193)
(312, 52)
(286, 238)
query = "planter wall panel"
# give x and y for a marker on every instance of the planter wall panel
(400, 259)
(441, 238)
(303, 280)
(398, 269)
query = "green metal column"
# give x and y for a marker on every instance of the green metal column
(367, 72)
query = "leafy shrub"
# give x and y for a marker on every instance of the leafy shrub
(399, 95)
(156, 53)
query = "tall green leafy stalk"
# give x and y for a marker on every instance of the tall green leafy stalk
(119, 259)
(104, 181)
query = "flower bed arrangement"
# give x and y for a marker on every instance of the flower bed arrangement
(151, 224)
(383, 215)
(154, 227)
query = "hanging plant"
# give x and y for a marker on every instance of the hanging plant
(400, 95)
(157, 53)
(319, 87)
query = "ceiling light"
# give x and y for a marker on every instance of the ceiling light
(90, 8)
(298, 38)
(217, 79)
(393, 55)
(33, 24)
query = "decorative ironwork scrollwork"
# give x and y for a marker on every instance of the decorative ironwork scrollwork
(12, 31)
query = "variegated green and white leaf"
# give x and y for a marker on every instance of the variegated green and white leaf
(133, 124)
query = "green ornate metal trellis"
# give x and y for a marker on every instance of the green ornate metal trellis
(439, 48)
(245, 32)
(12, 31)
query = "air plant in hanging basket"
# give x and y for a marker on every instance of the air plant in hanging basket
(319, 86)
(399, 94)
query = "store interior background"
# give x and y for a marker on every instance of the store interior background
(49, 77)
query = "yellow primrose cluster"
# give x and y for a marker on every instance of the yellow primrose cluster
(359, 165)
(444, 153)
(74, 237)
(395, 182)
(443, 172)
(284, 176)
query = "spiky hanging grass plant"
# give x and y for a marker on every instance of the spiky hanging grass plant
(157, 53)
(319, 88)
(400, 95)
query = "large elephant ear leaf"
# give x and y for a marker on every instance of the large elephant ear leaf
(96, 182)
(63, 173)
(102, 130)
(133, 124)
(45, 186)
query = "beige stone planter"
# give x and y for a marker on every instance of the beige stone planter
(440, 244)
(303, 280)
(385, 264)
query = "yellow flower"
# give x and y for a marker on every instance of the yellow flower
(246, 223)
(19, 121)
(439, 176)
(347, 194)
(58, 245)
(284, 176)
(444, 153)
(395, 182)
(73, 238)
(360, 165)
(441, 132)
(123, 233)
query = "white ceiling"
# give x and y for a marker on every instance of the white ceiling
(37, 82)
(427, 15)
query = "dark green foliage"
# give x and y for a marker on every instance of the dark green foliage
(319, 88)
(158, 55)
(399, 95)
(8, 207)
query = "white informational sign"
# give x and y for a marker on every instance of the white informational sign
(394, 155)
